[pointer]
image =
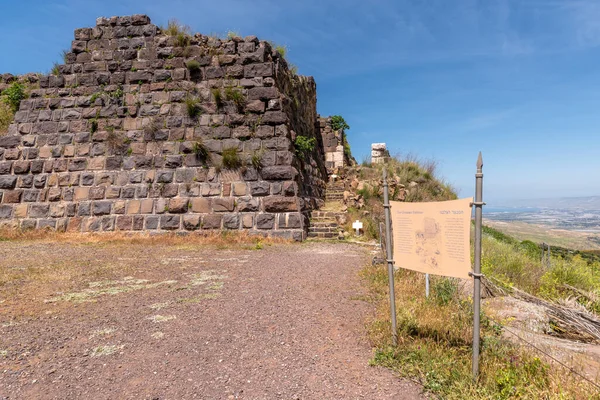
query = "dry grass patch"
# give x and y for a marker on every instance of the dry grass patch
(434, 346)
(161, 318)
(105, 350)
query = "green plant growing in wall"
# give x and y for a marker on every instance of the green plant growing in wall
(282, 50)
(304, 145)
(218, 97)
(93, 126)
(231, 158)
(256, 159)
(338, 123)
(200, 150)
(236, 95)
(55, 70)
(232, 34)
(192, 106)
(193, 66)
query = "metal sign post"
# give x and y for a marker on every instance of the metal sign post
(478, 203)
(390, 261)
(427, 285)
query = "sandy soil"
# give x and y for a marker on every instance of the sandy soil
(115, 321)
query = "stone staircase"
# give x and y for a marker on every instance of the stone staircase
(327, 222)
(335, 192)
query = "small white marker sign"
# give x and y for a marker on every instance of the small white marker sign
(357, 225)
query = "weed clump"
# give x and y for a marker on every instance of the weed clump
(192, 106)
(236, 96)
(231, 158)
(218, 96)
(193, 66)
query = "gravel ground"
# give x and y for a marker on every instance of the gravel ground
(183, 322)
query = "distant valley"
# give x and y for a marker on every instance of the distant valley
(566, 222)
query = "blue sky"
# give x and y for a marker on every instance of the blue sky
(518, 80)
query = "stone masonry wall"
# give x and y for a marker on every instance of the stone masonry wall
(333, 145)
(144, 131)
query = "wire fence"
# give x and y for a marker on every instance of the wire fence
(542, 351)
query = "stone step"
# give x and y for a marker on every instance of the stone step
(322, 235)
(323, 230)
(322, 224)
(327, 214)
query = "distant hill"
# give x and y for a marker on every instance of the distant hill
(570, 203)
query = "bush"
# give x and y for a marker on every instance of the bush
(231, 158)
(13, 95)
(304, 145)
(338, 123)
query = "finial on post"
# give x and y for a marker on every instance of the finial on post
(479, 162)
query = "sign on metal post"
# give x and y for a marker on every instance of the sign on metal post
(435, 238)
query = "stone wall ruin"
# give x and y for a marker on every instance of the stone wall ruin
(140, 130)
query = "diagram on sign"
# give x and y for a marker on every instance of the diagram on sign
(429, 242)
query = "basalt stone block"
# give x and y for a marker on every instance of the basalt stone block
(280, 204)
(178, 205)
(170, 222)
(262, 69)
(39, 210)
(191, 222)
(152, 222)
(101, 207)
(12, 196)
(274, 118)
(211, 221)
(262, 93)
(222, 204)
(6, 211)
(260, 188)
(8, 182)
(5, 167)
(265, 221)
(279, 173)
(248, 203)
(47, 224)
(231, 221)
(124, 223)
(9, 142)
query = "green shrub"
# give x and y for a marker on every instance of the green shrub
(192, 106)
(231, 158)
(55, 71)
(339, 123)
(304, 145)
(13, 95)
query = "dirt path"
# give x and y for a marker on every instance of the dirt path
(284, 322)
